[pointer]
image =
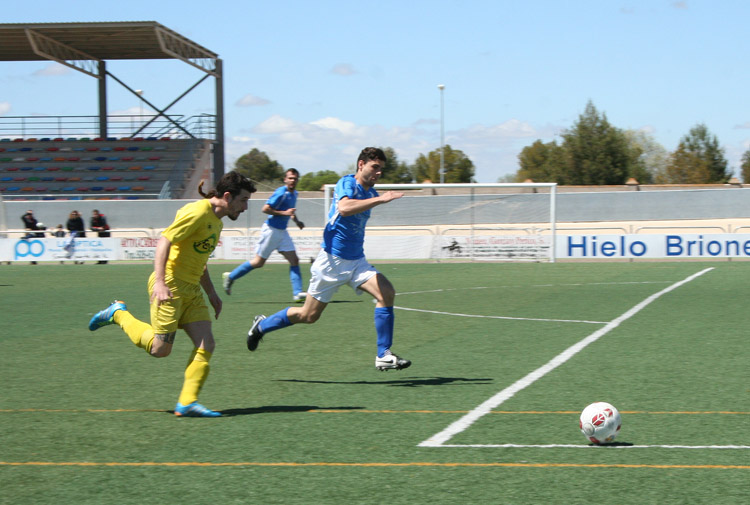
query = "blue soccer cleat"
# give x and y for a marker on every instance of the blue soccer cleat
(106, 317)
(194, 409)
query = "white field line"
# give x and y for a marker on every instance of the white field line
(500, 317)
(589, 446)
(472, 416)
(531, 286)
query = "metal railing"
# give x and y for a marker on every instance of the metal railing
(199, 126)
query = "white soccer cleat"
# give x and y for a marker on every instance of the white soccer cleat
(391, 362)
(227, 282)
(300, 297)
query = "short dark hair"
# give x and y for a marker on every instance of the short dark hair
(232, 182)
(370, 154)
(292, 170)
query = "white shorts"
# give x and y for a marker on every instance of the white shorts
(272, 239)
(330, 272)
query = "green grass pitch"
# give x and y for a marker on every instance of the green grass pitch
(86, 417)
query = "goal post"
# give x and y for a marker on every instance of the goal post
(493, 222)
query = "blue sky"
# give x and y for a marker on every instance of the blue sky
(311, 83)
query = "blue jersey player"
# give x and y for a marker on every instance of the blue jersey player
(274, 236)
(342, 261)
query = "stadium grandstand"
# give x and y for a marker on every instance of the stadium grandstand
(159, 156)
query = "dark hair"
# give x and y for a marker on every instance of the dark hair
(292, 170)
(370, 154)
(232, 182)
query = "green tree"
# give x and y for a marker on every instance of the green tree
(597, 152)
(651, 157)
(541, 162)
(314, 181)
(395, 172)
(458, 167)
(257, 166)
(745, 167)
(698, 159)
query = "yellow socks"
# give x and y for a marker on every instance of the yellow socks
(140, 333)
(196, 374)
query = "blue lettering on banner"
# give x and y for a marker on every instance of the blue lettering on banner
(677, 246)
(26, 248)
(609, 248)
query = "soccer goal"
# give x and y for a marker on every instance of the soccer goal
(492, 222)
(3, 218)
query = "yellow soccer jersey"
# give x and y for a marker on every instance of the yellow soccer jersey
(194, 235)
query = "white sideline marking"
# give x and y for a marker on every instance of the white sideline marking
(468, 419)
(501, 317)
(532, 286)
(588, 446)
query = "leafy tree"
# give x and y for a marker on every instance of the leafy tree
(651, 157)
(698, 159)
(541, 162)
(745, 167)
(257, 166)
(458, 167)
(314, 181)
(597, 152)
(395, 172)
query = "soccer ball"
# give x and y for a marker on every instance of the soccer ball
(600, 422)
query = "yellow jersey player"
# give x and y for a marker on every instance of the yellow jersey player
(174, 287)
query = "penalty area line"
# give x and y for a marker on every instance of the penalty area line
(589, 446)
(417, 464)
(501, 317)
(439, 439)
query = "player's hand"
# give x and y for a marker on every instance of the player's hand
(287, 212)
(216, 303)
(300, 224)
(161, 293)
(389, 196)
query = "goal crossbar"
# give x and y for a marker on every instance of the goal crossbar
(448, 191)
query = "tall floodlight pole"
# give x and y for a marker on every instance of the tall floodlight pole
(441, 87)
(139, 92)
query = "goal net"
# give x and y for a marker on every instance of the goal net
(493, 222)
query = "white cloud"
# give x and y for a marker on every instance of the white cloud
(4, 108)
(53, 69)
(680, 5)
(251, 101)
(344, 69)
(743, 126)
(331, 143)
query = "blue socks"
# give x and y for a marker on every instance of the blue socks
(296, 277)
(275, 322)
(240, 271)
(384, 319)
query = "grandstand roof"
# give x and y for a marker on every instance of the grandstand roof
(131, 40)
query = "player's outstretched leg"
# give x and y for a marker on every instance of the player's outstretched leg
(106, 317)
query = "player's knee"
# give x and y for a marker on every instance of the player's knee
(387, 296)
(309, 318)
(160, 352)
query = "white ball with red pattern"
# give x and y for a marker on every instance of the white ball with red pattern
(600, 422)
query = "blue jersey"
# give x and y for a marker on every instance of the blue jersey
(345, 236)
(281, 199)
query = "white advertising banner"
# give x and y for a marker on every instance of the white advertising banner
(396, 247)
(676, 246)
(59, 249)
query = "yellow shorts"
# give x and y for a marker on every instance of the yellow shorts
(186, 306)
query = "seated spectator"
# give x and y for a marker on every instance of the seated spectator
(100, 226)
